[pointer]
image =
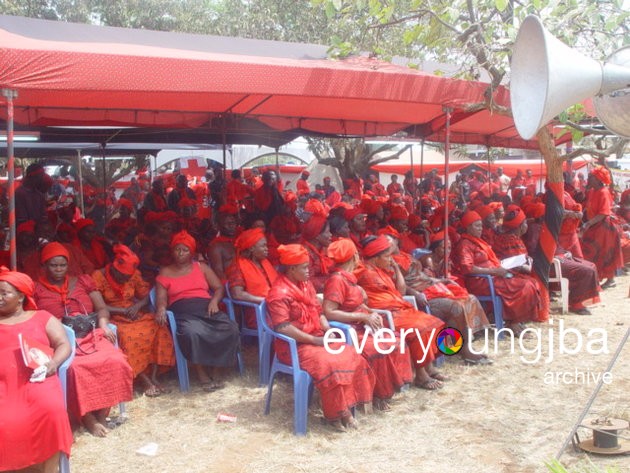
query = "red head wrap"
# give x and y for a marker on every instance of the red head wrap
(341, 250)
(306, 173)
(22, 283)
(26, 227)
(349, 214)
(184, 238)
(122, 202)
(602, 174)
(53, 249)
(398, 212)
(315, 207)
(414, 221)
(370, 206)
(535, 210)
(376, 246)
(230, 209)
(495, 206)
(484, 211)
(469, 218)
(82, 223)
(313, 227)
(125, 260)
(249, 238)
(292, 254)
(389, 230)
(439, 236)
(514, 216)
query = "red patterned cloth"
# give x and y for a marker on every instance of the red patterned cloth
(343, 380)
(100, 376)
(391, 371)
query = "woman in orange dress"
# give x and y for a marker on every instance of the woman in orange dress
(147, 344)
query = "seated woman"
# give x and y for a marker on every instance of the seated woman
(384, 285)
(582, 274)
(508, 242)
(206, 335)
(316, 238)
(35, 427)
(445, 297)
(99, 376)
(345, 301)
(147, 345)
(472, 256)
(251, 275)
(343, 380)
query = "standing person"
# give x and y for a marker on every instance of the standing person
(267, 198)
(504, 181)
(180, 192)
(345, 301)
(344, 379)
(384, 285)
(302, 187)
(237, 191)
(30, 197)
(148, 346)
(206, 335)
(34, 425)
(395, 187)
(601, 239)
(99, 376)
(155, 201)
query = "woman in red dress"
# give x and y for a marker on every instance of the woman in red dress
(344, 379)
(100, 376)
(384, 285)
(601, 237)
(34, 425)
(345, 301)
(472, 256)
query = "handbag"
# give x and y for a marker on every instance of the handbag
(82, 324)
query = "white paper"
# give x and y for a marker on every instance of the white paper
(149, 449)
(514, 261)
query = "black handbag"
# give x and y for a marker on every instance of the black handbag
(82, 324)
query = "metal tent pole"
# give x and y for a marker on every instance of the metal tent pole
(10, 96)
(447, 145)
(81, 202)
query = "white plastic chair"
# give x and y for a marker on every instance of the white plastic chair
(564, 285)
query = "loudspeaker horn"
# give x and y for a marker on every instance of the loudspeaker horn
(548, 76)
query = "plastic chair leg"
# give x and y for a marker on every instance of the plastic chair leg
(64, 463)
(269, 392)
(300, 408)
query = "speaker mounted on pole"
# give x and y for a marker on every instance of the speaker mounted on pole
(548, 76)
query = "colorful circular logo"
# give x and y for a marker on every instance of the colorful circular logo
(450, 341)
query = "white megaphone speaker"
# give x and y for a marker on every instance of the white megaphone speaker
(548, 76)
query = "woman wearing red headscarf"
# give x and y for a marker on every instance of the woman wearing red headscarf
(146, 344)
(345, 301)
(34, 425)
(251, 275)
(94, 246)
(99, 376)
(509, 242)
(519, 293)
(206, 335)
(344, 379)
(316, 238)
(384, 285)
(601, 238)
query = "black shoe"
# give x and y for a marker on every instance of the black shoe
(608, 284)
(582, 311)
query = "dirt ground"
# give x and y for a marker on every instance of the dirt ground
(506, 418)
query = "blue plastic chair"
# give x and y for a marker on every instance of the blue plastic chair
(263, 363)
(181, 362)
(495, 300)
(62, 373)
(302, 381)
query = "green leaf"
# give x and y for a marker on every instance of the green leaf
(501, 5)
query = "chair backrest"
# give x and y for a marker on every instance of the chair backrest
(62, 372)
(152, 296)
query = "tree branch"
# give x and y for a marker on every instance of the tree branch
(390, 157)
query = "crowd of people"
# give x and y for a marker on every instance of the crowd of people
(315, 255)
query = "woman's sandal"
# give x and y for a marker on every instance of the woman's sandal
(153, 391)
(439, 376)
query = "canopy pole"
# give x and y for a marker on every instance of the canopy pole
(104, 171)
(411, 164)
(10, 96)
(489, 164)
(421, 176)
(447, 145)
(81, 202)
(541, 174)
(224, 145)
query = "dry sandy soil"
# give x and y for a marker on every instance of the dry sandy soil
(502, 418)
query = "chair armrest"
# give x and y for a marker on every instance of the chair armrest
(387, 314)
(490, 280)
(412, 301)
(345, 328)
